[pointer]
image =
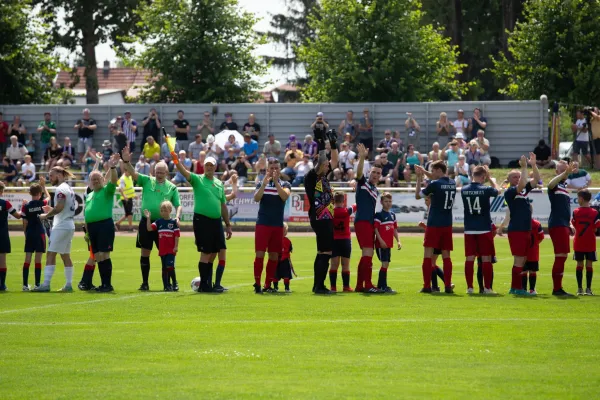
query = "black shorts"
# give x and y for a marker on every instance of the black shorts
(168, 260)
(102, 235)
(4, 242)
(132, 147)
(323, 229)
(284, 270)
(342, 248)
(384, 255)
(128, 207)
(209, 234)
(35, 242)
(146, 239)
(580, 147)
(533, 266)
(597, 146)
(437, 251)
(580, 256)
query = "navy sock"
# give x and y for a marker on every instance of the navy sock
(434, 279)
(524, 281)
(25, 274)
(588, 277)
(532, 280)
(2, 276)
(333, 278)
(382, 282)
(346, 278)
(102, 271)
(480, 274)
(579, 275)
(172, 276)
(219, 275)
(38, 274)
(145, 266)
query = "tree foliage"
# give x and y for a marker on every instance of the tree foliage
(553, 52)
(199, 51)
(377, 51)
(88, 23)
(27, 65)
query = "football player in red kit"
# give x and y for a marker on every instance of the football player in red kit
(386, 230)
(342, 242)
(585, 221)
(533, 257)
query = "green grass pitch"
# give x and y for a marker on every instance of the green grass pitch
(239, 345)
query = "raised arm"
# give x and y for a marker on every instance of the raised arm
(283, 193)
(536, 171)
(524, 176)
(127, 163)
(261, 190)
(112, 172)
(559, 178)
(362, 154)
(182, 170)
(419, 173)
(234, 189)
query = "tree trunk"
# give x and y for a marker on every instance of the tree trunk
(511, 10)
(91, 68)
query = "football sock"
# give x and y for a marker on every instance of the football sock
(333, 278)
(69, 274)
(346, 278)
(209, 273)
(579, 275)
(532, 280)
(271, 269)
(448, 272)
(558, 270)
(439, 272)
(360, 280)
(286, 283)
(165, 277)
(589, 273)
(88, 273)
(524, 281)
(276, 285)
(469, 269)
(2, 276)
(48, 272)
(38, 273)
(145, 266)
(323, 268)
(382, 282)
(220, 271)
(25, 273)
(488, 274)
(258, 268)
(480, 274)
(368, 271)
(109, 272)
(516, 277)
(426, 267)
(101, 271)
(316, 273)
(434, 278)
(172, 276)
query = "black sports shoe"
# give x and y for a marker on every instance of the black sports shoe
(105, 289)
(323, 290)
(269, 290)
(373, 290)
(560, 292)
(175, 287)
(427, 290)
(257, 289)
(83, 286)
(219, 287)
(389, 290)
(435, 289)
(168, 288)
(3, 288)
(276, 285)
(205, 289)
(449, 290)
(144, 287)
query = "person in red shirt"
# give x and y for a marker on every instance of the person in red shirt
(285, 269)
(585, 221)
(386, 230)
(168, 243)
(4, 133)
(533, 257)
(342, 242)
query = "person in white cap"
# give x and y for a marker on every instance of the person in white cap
(209, 207)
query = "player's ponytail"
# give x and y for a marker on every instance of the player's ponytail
(66, 174)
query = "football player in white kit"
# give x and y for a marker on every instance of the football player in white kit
(63, 228)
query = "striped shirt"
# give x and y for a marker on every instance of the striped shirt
(128, 130)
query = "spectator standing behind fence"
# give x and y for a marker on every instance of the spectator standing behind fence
(543, 155)
(205, 127)
(228, 123)
(151, 125)
(476, 122)
(461, 124)
(582, 137)
(182, 130)
(252, 128)
(53, 153)
(365, 130)
(18, 129)
(319, 126)
(85, 133)
(272, 147)
(16, 152)
(129, 128)
(116, 129)
(386, 143)
(444, 129)
(348, 125)
(68, 154)
(484, 147)
(413, 130)
(47, 129)
(195, 147)
(4, 132)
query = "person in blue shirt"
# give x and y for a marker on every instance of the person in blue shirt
(519, 227)
(438, 234)
(479, 236)
(250, 148)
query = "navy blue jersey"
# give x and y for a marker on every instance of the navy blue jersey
(271, 207)
(560, 206)
(520, 209)
(476, 202)
(31, 212)
(366, 200)
(5, 209)
(441, 193)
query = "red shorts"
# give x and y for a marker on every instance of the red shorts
(268, 238)
(365, 233)
(479, 245)
(438, 238)
(561, 239)
(519, 242)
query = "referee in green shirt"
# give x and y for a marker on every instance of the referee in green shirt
(99, 223)
(209, 208)
(155, 190)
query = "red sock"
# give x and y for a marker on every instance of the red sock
(426, 273)
(270, 275)
(558, 270)
(360, 281)
(26, 265)
(38, 265)
(258, 269)
(469, 269)
(367, 271)
(517, 283)
(448, 272)
(222, 263)
(88, 267)
(488, 271)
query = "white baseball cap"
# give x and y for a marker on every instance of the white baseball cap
(210, 139)
(210, 160)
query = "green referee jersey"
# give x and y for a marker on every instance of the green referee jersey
(99, 204)
(209, 194)
(154, 193)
